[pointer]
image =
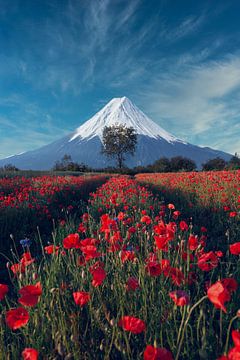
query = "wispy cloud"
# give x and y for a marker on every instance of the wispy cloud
(186, 27)
(27, 126)
(78, 54)
(197, 99)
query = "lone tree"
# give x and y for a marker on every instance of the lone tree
(117, 141)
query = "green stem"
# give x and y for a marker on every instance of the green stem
(228, 332)
(185, 325)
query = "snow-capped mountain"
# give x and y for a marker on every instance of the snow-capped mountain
(121, 111)
(84, 144)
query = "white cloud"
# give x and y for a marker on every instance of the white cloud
(198, 103)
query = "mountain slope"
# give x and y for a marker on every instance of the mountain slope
(84, 145)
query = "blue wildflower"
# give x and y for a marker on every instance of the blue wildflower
(25, 242)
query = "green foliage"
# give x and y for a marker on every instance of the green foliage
(234, 162)
(161, 165)
(8, 167)
(179, 163)
(165, 165)
(214, 164)
(119, 140)
(66, 164)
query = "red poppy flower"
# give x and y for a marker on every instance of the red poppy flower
(99, 275)
(176, 214)
(234, 354)
(193, 242)
(230, 284)
(17, 318)
(90, 252)
(208, 261)
(89, 242)
(18, 268)
(146, 219)
(132, 284)
(153, 268)
(236, 338)
(171, 206)
(161, 242)
(27, 259)
(3, 291)
(127, 255)
(30, 294)
(30, 354)
(180, 297)
(152, 353)
(132, 324)
(168, 230)
(81, 297)
(235, 248)
(176, 275)
(81, 228)
(220, 292)
(51, 249)
(183, 226)
(71, 241)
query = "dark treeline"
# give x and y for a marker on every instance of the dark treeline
(162, 165)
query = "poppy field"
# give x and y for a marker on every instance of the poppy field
(135, 276)
(30, 202)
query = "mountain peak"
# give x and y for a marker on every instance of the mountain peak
(121, 111)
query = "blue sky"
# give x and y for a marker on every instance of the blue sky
(62, 60)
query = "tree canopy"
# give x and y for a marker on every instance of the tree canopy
(214, 164)
(118, 140)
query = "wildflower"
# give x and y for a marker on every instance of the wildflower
(183, 226)
(90, 252)
(235, 248)
(153, 353)
(51, 249)
(220, 292)
(25, 242)
(30, 294)
(3, 291)
(208, 261)
(81, 298)
(127, 255)
(132, 284)
(71, 241)
(193, 242)
(146, 219)
(176, 275)
(99, 275)
(161, 242)
(236, 338)
(180, 297)
(16, 318)
(30, 354)
(132, 324)
(26, 258)
(153, 268)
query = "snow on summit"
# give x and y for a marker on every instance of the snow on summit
(121, 111)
